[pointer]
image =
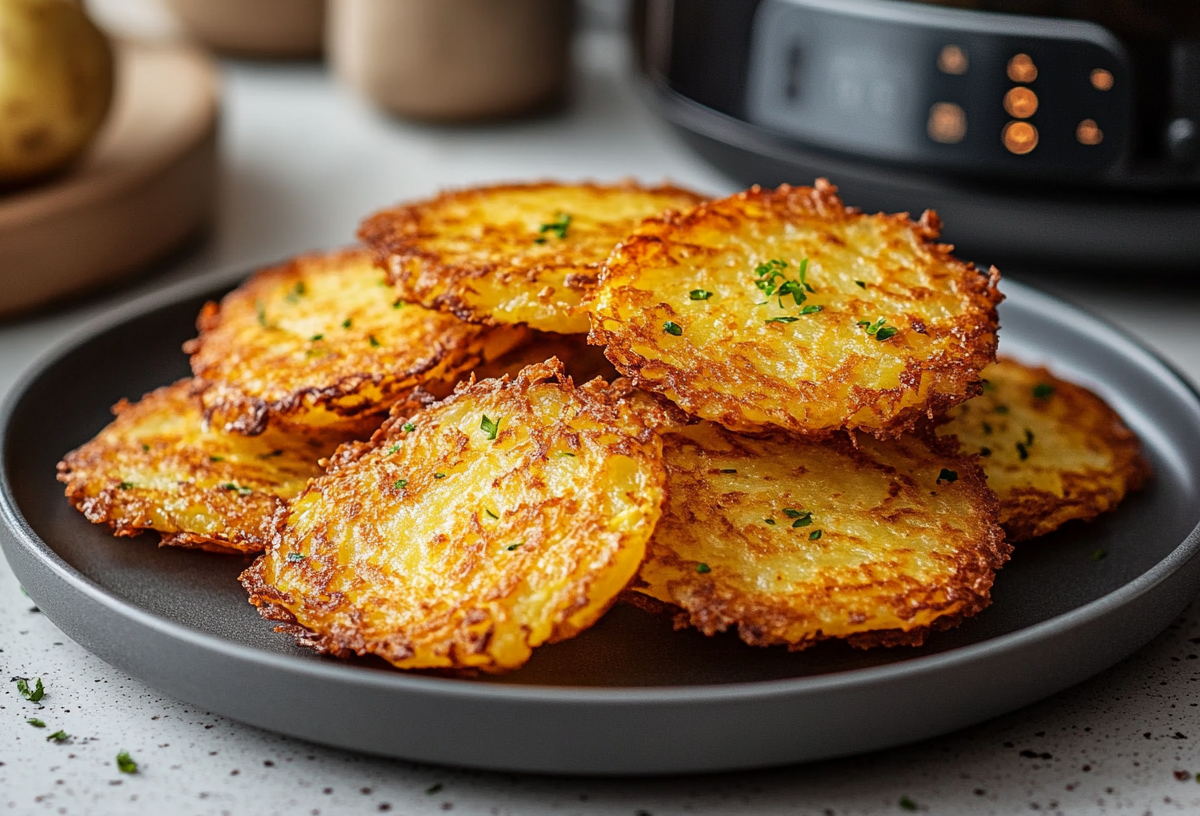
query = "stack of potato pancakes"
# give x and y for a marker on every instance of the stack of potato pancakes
(790, 421)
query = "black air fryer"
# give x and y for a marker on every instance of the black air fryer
(1065, 131)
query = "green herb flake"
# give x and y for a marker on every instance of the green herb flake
(145, 448)
(814, 535)
(987, 385)
(35, 722)
(1043, 391)
(803, 521)
(1022, 451)
(260, 311)
(216, 458)
(347, 323)
(434, 788)
(400, 484)
(811, 309)
(792, 512)
(1001, 409)
(127, 485)
(316, 338)
(782, 320)
(293, 557)
(860, 284)
(236, 488)
(371, 339)
(948, 476)
(408, 426)
(439, 475)
(885, 333)
(672, 328)
(565, 453)
(907, 803)
(512, 547)
(1028, 437)
(1098, 555)
(271, 455)
(558, 226)
(125, 763)
(770, 521)
(398, 304)
(985, 451)
(700, 294)
(987, 429)
(490, 426)
(298, 291)
(58, 736)
(729, 470)
(34, 694)
(703, 568)
(490, 513)
(393, 449)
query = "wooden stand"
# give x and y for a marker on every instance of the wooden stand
(147, 184)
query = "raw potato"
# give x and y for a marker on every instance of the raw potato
(889, 328)
(1052, 450)
(442, 547)
(514, 253)
(321, 340)
(56, 83)
(792, 542)
(156, 467)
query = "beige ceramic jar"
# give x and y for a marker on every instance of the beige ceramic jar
(255, 28)
(452, 60)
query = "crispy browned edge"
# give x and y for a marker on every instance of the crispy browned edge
(251, 415)
(1027, 517)
(269, 600)
(822, 199)
(974, 582)
(98, 509)
(395, 235)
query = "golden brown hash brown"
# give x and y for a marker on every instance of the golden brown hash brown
(786, 308)
(793, 541)
(322, 340)
(581, 362)
(156, 467)
(1053, 451)
(507, 516)
(513, 253)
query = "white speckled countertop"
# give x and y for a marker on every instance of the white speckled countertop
(302, 162)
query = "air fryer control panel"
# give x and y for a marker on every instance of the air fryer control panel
(942, 88)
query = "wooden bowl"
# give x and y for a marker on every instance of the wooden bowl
(279, 29)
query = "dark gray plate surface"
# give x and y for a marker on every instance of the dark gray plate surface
(629, 695)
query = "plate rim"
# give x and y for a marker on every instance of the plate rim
(1080, 320)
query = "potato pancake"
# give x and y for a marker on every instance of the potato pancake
(581, 361)
(785, 308)
(513, 253)
(157, 467)
(1052, 450)
(793, 542)
(507, 516)
(322, 340)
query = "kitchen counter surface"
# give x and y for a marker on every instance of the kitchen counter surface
(303, 161)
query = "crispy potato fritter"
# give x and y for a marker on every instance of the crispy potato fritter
(322, 340)
(1053, 451)
(513, 253)
(156, 467)
(507, 516)
(793, 542)
(784, 308)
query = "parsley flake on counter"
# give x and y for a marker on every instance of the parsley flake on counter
(1098, 554)
(400, 484)
(1043, 391)
(489, 426)
(437, 786)
(125, 763)
(293, 557)
(559, 226)
(947, 475)
(58, 736)
(703, 568)
(814, 535)
(907, 803)
(35, 722)
(408, 426)
(700, 294)
(34, 694)
(672, 328)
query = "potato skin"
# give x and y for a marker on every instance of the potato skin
(491, 255)
(321, 340)
(728, 357)
(792, 542)
(1053, 451)
(439, 547)
(157, 467)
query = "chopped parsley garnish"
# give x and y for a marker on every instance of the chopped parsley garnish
(393, 449)
(145, 448)
(885, 333)
(317, 337)
(1043, 391)
(947, 475)
(672, 328)
(31, 694)
(792, 512)
(439, 475)
(729, 470)
(298, 291)
(400, 484)
(125, 763)
(510, 548)
(1098, 554)
(371, 339)
(347, 323)
(293, 557)
(35, 722)
(490, 513)
(216, 458)
(1001, 409)
(987, 429)
(437, 786)
(770, 521)
(261, 312)
(236, 488)
(558, 226)
(803, 521)
(703, 568)
(58, 736)
(1022, 451)
(490, 426)
(270, 455)
(1028, 437)
(768, 277)
(987, 385)
(398, 304)
(127, 485)
(814, 535)
(860, 284)
(782, 320)
(811, 309)
(700, 294)
(985, 451)
(408, 426)
(877, 329)
(907, 804)
(565, 453)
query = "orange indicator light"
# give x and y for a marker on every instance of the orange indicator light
(1021, 103)
(1089, 133)
(1022, 69)
(1019, 137)
(947, 123)
(952, 60)
(1102, 80)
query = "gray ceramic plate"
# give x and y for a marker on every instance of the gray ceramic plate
(629, 696)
